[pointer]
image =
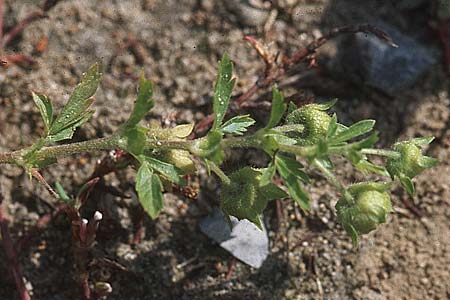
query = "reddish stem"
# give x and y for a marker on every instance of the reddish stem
(230, 269)
(1, 20)
(11, 255)
(443, 31)
(139, 227)
(18, 58)
(19, 27)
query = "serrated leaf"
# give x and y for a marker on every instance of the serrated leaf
(408, 185)
(278, 108)
(332, 127)
(149, 189)
(67, 132)
(267, 175)
(79, 101)
(182, 131)
(237, 125)
(144, 101)
(355, 130)
(289, 171)
(169, 171)
(45, 108)
(222, 91)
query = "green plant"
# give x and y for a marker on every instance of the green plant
(165, 155)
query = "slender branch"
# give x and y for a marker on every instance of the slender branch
(16, 30)
(298, 150)
(2, 5)
(333, 180)
(381, 152)
(225, 179)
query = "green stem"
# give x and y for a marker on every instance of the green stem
(251, 141)
(333, 180)
(381, 152)
(304, 151)
(100, 144)
(225, 179)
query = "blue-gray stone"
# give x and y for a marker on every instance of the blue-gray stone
(367, 60)
(245, 241)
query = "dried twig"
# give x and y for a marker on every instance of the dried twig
(411, 207)
(275, 71)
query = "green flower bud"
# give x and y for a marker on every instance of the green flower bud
(315, 121)
(369, 208)
(180, 159)
(411, 161)
(244, 198)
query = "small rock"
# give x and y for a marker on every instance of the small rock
(245, 241)
(246, 13)
(367, 60)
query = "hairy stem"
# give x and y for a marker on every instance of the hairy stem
(381, 152)
(333, 180)
(225, 179)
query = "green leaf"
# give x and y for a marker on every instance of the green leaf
(278, 108)
(364, 143)
(427, 162)
(67, 132)
(237, 125)
(422, 141)
(222, 90)
(355, 130)
(144, 101)
(62, 193)
(169, 171)
(45, 108)
(272, 191)
(408, 185)
(136, 138)
(210, 147)
(78, 102)
(267, 175)
(332, 127)
(281, 139)
(289, 171)
(361, 163)
(182, 131)
(326, 106)
(326, 162)
(291, 107)
(149, 189)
